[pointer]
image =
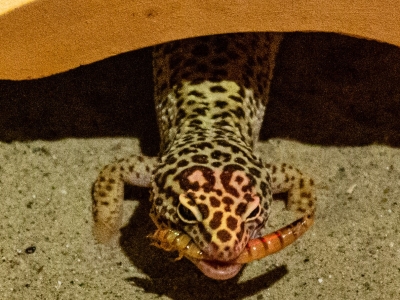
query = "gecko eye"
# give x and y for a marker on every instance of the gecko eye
(254, 214)
(186, 214)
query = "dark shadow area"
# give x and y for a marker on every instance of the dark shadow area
(328, 89)
(169, 277)
(109, 98)
(331, 89)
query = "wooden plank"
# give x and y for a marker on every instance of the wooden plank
(51, 36)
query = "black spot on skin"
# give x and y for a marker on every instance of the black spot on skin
(215, 248)
(240, 161)
(163, 178)
(305, 195)
(179, 116)
(197, 81)
(216, 164)
(200, 111)
(223, 115)
(186, 151)
(170, 160)
(301, 183)
(240, 209)
(248, 197)
(236, 99)
(231, 222)
(203, 145)
(250, 131)
(264, 187)
(218, 155)
(224, 235)
(255, 172)
(222, 123)
(216, 220)
(220, 103)
(200, 158)
(214, 202)
(179, 103)
(239, 179)
(206, 235)
(218, 89)
(170, 193)
(239, 113)
(158, 201)
(196, 94)
(204, 210)
(235, 149)
(228, 201)
(239, 235)
(182, 163)
(252, 182)
(195, 122)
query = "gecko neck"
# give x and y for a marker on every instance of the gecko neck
(211, 112)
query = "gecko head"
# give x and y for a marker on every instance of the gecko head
(219, 206)
(221, 210)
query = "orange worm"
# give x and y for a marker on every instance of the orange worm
(174, 240)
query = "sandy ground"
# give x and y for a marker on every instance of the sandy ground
(334, 113)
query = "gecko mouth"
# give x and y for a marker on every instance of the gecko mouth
(217, 270)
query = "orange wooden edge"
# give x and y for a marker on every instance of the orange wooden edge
(46, 37)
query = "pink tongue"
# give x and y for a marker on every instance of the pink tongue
(216, 270)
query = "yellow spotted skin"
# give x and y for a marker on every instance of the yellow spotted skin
(210, 98)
